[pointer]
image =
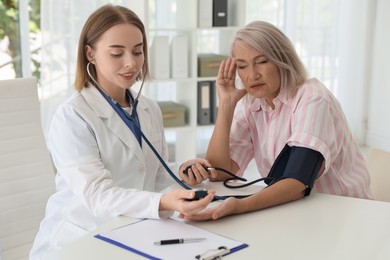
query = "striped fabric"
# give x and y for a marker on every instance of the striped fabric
(313, 118)
(26, 171)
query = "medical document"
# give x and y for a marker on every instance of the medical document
(140, 238)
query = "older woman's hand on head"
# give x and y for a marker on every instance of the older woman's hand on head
(226, 82)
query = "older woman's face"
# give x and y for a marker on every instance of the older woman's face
(261, 77)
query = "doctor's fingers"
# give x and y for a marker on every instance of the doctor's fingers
(200, 172)
(195, 174)
(193, 207)
(190, 178)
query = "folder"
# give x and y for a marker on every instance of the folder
(204, 117)
(174, 114)
(220, 13)
(139, 238)
(213, 102)
(159, 58)
(208, 64)
(205, 13)
(179, 57)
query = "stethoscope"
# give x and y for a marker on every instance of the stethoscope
(131, 120)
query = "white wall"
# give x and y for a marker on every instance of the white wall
(378, 124)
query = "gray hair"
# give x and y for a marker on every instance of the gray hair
(275, 45)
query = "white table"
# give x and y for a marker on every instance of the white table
(318, 227)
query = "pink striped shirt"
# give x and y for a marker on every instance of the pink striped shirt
(313, 118)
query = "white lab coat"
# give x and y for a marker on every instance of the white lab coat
(102, 171)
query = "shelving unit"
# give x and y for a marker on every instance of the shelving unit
(178, 17)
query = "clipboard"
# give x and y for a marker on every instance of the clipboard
(139, 238)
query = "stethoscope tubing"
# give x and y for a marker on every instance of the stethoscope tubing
(123, 113)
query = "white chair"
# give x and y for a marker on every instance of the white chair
(26, 172)
(378, 164)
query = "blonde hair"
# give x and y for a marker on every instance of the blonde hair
(98, 23)
(271, 42)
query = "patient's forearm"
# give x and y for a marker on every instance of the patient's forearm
(283, 191)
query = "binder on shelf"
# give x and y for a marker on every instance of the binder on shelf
(213, 102)
(159, 58)
(203, 104)
(220, 13)
(205, 13)
(179, 57)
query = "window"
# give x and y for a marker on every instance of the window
(20, 42)
(332, 37)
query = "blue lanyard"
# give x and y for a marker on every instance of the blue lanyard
(132, 120)
(133, 123)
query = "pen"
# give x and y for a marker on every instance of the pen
(178, 241)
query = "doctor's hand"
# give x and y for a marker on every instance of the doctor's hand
(178, 200)
(228, 207)
(196, 172)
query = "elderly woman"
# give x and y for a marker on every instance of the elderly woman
(292, 126)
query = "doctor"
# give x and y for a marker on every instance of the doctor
(104, 168)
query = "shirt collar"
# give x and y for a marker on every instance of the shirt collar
(258, 104)
(101, 107)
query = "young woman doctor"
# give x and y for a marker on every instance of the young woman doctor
(104, 168)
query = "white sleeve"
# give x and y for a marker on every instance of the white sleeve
(76, 155)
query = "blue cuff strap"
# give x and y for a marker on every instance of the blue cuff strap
(300, 163)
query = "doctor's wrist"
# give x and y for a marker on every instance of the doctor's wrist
(164, 203)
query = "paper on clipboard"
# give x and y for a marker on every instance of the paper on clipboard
(139, 237)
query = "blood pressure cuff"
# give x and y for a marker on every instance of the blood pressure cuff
(300, 163)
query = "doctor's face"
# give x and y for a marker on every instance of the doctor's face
(118, 56)
(261, 77)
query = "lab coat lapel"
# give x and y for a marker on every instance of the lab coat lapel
(145, 121)
(120, 129)
(104, 110)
